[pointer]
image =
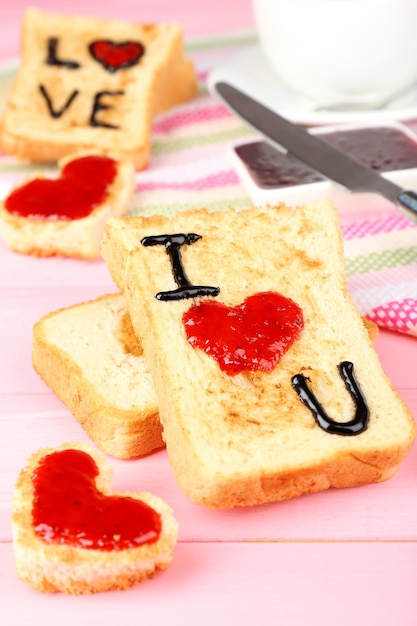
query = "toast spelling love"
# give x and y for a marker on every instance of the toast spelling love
(112, 56)
(87, 83)
(253, 335)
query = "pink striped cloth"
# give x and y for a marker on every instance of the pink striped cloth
(381, 268)
(191, 168)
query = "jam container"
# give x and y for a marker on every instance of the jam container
(271, 176)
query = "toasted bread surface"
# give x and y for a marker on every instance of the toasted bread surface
(74, 570)
(89, 356)
(64, 97)
(248, 439)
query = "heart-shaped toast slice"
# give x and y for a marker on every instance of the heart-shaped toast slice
(65, 215)
(82, 184)
(72, 534)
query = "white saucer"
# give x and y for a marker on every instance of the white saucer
(250, 72)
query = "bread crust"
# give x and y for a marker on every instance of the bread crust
(58, 567)
(88, 355)
(79, 238)
(160, 80)
(248, 439)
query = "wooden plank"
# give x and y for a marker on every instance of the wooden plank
(21, 307)
(305, 584)
(381, 511)
(20, 270)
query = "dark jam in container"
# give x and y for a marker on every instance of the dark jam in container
(68, 508)
(383, 149)
(270, 168)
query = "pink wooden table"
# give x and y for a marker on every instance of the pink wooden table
(340, 557)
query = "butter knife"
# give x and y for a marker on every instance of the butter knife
(313, 151)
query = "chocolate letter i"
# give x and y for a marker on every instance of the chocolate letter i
(185, 289)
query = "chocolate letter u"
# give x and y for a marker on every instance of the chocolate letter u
(355, 426)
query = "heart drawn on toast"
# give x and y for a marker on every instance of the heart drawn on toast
(82, 185)
(116, 56)
(69, 509)
(248, 337)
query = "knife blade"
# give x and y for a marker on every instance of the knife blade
(313, 151)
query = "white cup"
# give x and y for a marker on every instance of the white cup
(341, 52)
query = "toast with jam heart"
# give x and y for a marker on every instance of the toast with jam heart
(267, 381)
(92, 83)
(65, 215)
(90, 357)
(72, 533)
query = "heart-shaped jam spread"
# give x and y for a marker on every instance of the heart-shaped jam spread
(81, 187)
(248, 337)
(68, 508)
(116, 56)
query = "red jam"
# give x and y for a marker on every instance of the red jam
(81, 187)
(251, 336)
(381, 148)
(68, 508)
(115, 56)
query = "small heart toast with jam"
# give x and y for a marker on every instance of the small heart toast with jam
(268, 384)
(86, 83)
(71, 533)
(65, 215)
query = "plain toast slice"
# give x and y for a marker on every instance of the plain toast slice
(89, 356)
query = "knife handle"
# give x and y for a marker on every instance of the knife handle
(408, 200)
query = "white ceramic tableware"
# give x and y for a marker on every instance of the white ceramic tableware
(341, 53)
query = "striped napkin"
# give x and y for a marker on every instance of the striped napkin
(191, 167)
(381, 268)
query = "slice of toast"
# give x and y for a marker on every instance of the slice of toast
(90, 358)
(92, 83)
(58, 234)
(250, 438)
(47, 555)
